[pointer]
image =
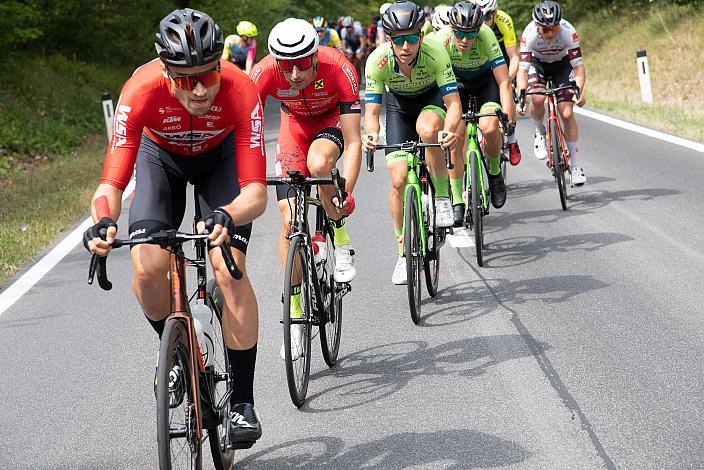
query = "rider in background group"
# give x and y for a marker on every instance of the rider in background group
(241, 48)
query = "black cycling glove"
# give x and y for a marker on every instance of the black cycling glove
(219, 216)
(98, 230)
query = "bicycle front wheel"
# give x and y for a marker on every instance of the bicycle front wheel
(477, 206)
(331, 326)
(297, 331)
(218, 384)
(178, 430)
(559, 166)
(414, 253)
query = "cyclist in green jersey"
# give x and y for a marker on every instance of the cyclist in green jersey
(420, 83)
(481, 69)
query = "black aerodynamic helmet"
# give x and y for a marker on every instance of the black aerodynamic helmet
(466, 16)
(188, 38)
(547, 13)
(402, 16)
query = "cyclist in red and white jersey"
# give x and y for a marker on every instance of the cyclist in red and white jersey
(550, 50)
(320, 120)
(190, 117)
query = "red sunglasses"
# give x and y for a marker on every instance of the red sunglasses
(189, 82)
(302, 64)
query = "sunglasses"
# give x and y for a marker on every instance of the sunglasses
(302, 64)
(190, 81)
(465, 34)
(409, 38)
(549, 29)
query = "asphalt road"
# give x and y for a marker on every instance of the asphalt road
(577, 346)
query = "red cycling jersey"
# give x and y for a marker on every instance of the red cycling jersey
(335, 84)
(147, 106)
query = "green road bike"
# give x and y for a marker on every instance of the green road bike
(475, 170)
(422, 237)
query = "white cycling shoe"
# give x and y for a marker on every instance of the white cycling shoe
(296, 342)
(443, 213)
(540, 148)
(344, 264)
(399, 277)
(578, 177)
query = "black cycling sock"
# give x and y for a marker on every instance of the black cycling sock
(242, 369)
(157, 325)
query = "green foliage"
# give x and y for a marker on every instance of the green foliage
(17, 23)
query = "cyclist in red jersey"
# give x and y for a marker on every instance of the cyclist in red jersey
(320, 120)
(189, 117)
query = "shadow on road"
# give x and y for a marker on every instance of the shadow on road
(452, 449)
(378, 372)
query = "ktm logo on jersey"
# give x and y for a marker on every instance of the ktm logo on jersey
(383, 62)
(319, 84)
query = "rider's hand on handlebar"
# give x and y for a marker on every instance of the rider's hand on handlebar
(446, 138)
(521, 107)
(370, 140)
(219, 225)
(579, 102)
(93, 239)
(348, 205)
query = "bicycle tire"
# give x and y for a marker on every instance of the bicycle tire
(174, 349)
(331, 326)
(298, 369)
(413, 251)
(558, 166)
(223, 458)
(477, 207)
(431, 260)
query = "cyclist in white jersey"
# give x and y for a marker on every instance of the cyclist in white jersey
(550, 50)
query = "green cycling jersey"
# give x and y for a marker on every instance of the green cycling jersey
(432, 68)
(484, 55)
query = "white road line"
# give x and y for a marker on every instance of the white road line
(690, 144)
(18, 288)
(460, 239)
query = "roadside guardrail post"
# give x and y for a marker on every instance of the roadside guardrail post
(108, 112)
(644, 75)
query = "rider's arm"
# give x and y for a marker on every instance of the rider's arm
(492, 51)
(248, 120)
(580, 78)
(226, 49)
(513, 61)
(454, 112)
(107, 202)
(353, 148)
(251, 55)
(574, 54)
(526, 56)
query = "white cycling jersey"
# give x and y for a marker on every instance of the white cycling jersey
(564, 44)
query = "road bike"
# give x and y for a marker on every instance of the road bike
(422, 238)
(321, 296)
(558, 153)
(205, 404)
(474, 181)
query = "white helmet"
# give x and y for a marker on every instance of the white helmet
(357, 24)
(292, 39)
(383, 8)
(441, 16)
(487, 6)
(347, 21)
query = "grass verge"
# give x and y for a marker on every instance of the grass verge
(38, 205)
(671, 35)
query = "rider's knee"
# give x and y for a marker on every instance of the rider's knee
(148, 276)
(428, 129)
(567, 113)
(318, 165)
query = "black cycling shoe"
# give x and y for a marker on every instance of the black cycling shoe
(498, 190)
(458, 214)
(245, 428)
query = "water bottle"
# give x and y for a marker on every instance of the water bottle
(320, 251)
(202, 322)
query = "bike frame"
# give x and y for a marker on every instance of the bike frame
(554, 120)
(473, 145)
(413, 180)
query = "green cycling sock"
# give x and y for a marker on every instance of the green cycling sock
(494, 165)
(440, 184)
(456, 187)
(341, 235)
(296, 311)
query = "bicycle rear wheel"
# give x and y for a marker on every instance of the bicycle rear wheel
(431, 260)
(331, 327)
(298, 355)
(219, 384)
(477, 206)
(558, 166)
(414, 254)
(177, 426)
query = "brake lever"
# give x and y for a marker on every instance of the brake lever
(339, 183)
(230, 261)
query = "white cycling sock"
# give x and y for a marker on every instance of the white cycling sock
(573, 148)
(511, 139)
(540, 126)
